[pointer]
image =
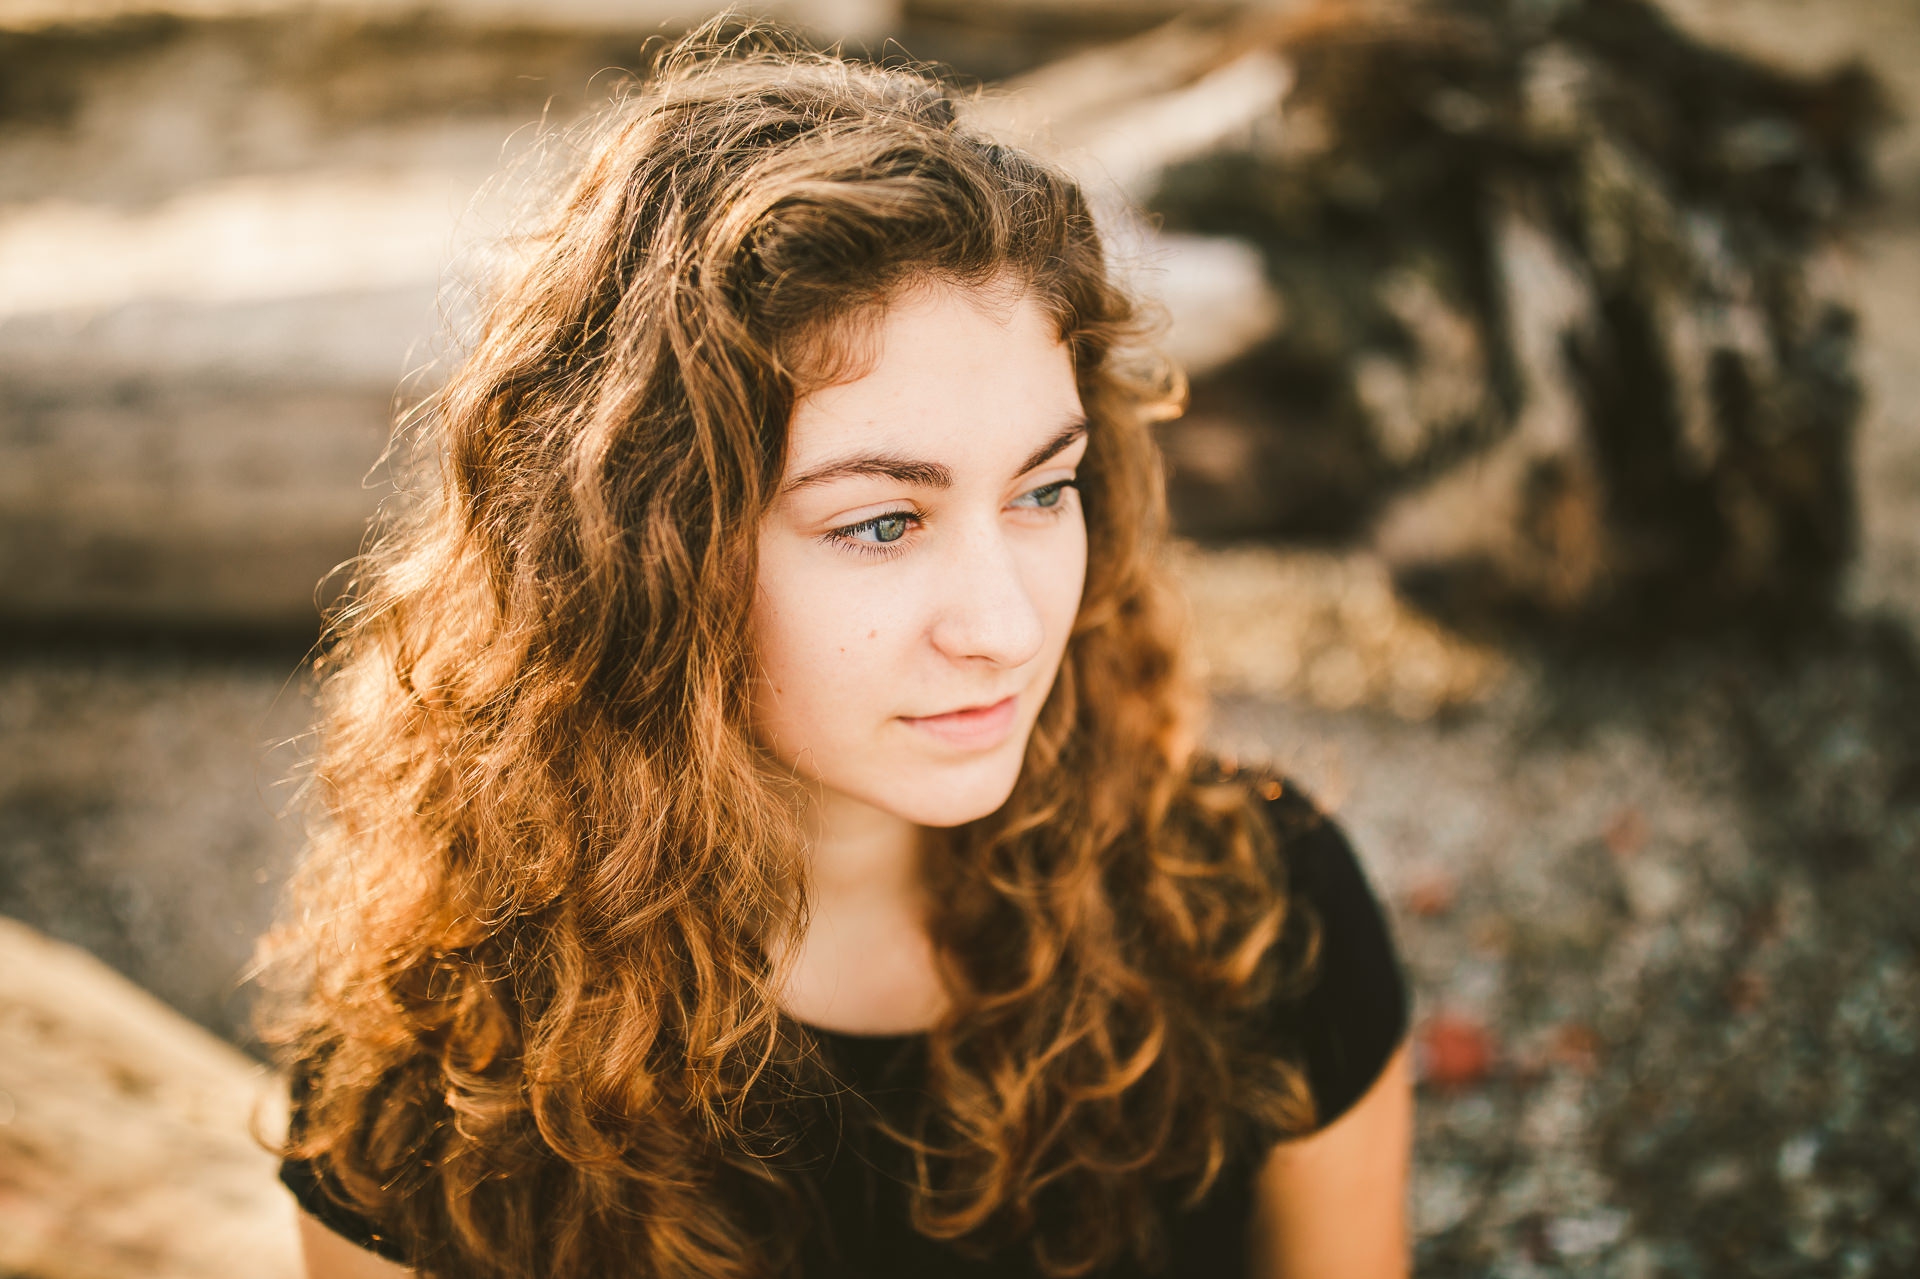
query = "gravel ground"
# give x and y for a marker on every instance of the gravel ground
(1661, 924)
(139, 793)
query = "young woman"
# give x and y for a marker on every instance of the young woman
(763, 828)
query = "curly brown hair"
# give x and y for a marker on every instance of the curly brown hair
(531, 950)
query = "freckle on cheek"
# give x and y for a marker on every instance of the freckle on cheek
(872, 634)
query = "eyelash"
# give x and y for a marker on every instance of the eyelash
(844, 537)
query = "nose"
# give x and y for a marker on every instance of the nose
(986, 610)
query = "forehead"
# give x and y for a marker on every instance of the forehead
(966, 373)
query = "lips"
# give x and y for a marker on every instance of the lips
(974, 727)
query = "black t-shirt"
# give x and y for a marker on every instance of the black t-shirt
(1342, 1029)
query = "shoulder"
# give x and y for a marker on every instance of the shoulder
(315, 1188)
(1349, 1014)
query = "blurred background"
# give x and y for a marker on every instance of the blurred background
(1549, 502)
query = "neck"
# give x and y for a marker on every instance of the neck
(864, 964)
(857, 851)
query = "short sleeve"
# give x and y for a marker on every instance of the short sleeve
(317, 1194)
(1346, 1023)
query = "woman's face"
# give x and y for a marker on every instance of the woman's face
(921, 568)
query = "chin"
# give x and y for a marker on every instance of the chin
(951, 794)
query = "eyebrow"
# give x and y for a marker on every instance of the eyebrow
(1065, 436)
(921, 474)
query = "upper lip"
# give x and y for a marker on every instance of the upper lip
(961, 710)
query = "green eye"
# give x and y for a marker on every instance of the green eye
(1047, 496)
(881, 535)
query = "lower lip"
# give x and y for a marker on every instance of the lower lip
(980, 727)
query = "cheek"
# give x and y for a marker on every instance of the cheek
(819, 652)
(786, 653)
(1060, 582)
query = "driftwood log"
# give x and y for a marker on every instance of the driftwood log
(225, 228)
(1559, 321)
(127, 1141)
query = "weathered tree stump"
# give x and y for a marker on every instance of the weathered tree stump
(1561, 329)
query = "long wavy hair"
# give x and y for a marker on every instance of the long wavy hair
(530, 955)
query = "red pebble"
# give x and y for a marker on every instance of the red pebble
(1576, 1047)
(1453, 1052)
(1745, 991)
(1626, 834)
(1431, 897)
